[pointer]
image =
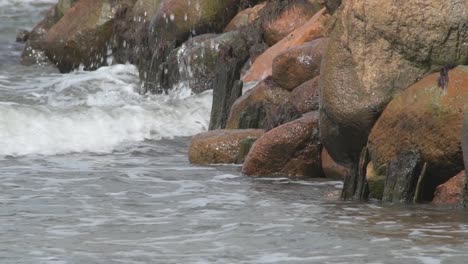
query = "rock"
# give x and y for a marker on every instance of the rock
(63, 6)
(377, 49)
(244, 149)
(331, 169)
(451, 192)
(426, 119)
(306, 96)
(176, 21)
(227, 87)
(33, 52)
(296, 14)
(282, 114)
(262, 66)
(402, 178)
(256, 106)
(464, 145)
(375, 181)
(292, 149)
(129, 41)
(199, 60)
(245, 17)
(22, 35)
(219, 146)
(82, 35)
(332, 5)
(299, 64)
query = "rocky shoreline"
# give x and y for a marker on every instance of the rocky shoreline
(370, 92)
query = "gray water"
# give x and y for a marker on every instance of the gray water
(92, 172)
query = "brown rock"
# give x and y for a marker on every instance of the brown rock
(311, 30)
(82, 35)
(306, 96)
(219, 146)
(33, 52)
(299, 64)
(292, 149)
(451, 192)
(331, 169)
(174, 23)
(131, 32)
(245, 17)
(257, 105)
(376, 49)
(289, 19)
(426, 119)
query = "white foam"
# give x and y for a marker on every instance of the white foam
(96, 112)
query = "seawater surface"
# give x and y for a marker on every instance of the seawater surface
(93, 172)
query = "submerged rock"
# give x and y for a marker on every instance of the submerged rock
(220, 146)
(376, 49)
(451, 192)
(299, 64)
(256, 106)
(426, 119)
(292, 149)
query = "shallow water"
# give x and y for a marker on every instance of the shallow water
(92, 172)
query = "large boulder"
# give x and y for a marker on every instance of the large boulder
(376, 49)
(426, 119)
(299, 64)
(220, 146)
(292, 149)
(451, 192)
(173, 23)
(306, 96)
(291, 17)
(262, 66)
(82, 35)
(257, 105)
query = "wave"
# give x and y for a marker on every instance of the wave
(95, 112)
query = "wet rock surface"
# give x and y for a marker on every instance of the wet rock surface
(292, 149)
(451, 192)
(262, 66)
(299, 64)
(256, 106)
(377, 49)
(306, 96)
(291, 17)
(82, 35)
(426, 119)
(220, 146)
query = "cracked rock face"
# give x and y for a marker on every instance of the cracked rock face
(378, 48)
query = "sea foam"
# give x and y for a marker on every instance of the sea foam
(95, 112)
